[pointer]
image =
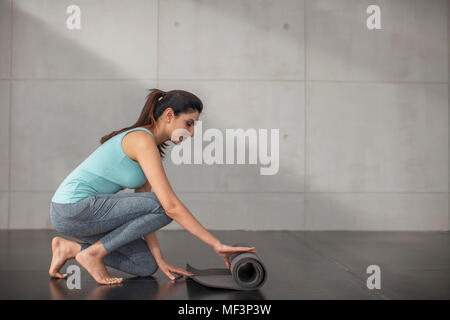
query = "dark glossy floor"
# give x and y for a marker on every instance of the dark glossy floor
(301, 265)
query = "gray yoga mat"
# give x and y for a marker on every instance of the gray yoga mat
(247, 272)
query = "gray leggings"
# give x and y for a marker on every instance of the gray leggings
(119, 221)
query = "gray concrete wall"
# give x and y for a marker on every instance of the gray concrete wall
(363, 114)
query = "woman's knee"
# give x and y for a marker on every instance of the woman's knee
(146, 270)
(166, 219)
(61, 225)
(160, 208)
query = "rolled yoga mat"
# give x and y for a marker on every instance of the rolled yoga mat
(247, 272)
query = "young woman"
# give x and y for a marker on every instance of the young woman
(118, 230)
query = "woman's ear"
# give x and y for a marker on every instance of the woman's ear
(169, 114)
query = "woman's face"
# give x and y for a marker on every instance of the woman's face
(182, 126)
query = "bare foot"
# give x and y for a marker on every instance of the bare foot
(62, 250)
(95, 266)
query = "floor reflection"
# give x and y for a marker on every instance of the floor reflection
(196, 291)
(146, 288)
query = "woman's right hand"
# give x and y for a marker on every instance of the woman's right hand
(225, 251)
(168, 269)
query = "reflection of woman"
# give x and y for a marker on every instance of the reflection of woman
(118, 230)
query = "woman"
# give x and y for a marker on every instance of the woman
(118, 230)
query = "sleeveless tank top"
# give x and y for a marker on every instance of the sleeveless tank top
(107, 170)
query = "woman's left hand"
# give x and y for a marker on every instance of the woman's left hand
(225, 251)
(168, 268)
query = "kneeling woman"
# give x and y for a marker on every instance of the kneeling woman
(118, 230)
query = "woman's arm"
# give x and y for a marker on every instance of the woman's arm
(147, 155)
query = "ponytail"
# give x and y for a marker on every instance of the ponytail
(147, 117)
(157, 101)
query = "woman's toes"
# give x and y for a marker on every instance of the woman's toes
(114, 280)
(117, 280)
(110, 281)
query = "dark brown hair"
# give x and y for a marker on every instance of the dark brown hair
(157, 101)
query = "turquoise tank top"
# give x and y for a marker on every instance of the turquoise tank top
(107, 170)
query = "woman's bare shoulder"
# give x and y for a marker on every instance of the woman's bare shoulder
(131, 140)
